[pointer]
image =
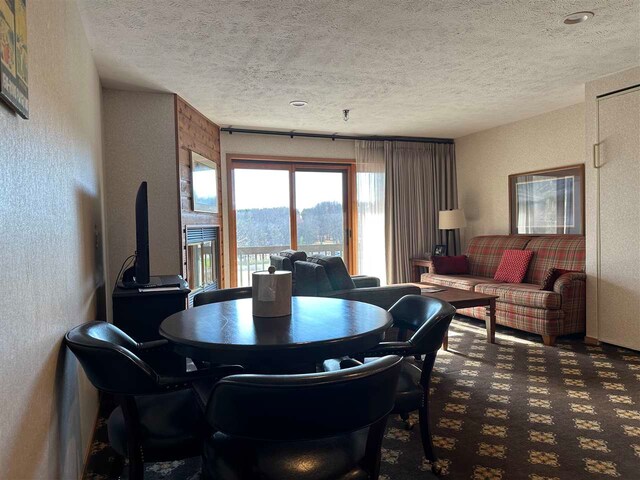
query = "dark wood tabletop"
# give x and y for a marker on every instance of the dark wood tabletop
(317, 329)
(465, 299)
(457, 297)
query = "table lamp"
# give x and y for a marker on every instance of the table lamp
(450, 220)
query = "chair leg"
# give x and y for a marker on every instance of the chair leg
(425, 433)
(132, 426)
(408, 424)
(136, 465)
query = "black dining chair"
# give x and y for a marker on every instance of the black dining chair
(158, 417)
(315, 426)
(429, 318)
(222, 295)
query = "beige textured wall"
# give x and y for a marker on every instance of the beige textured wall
(604, 85)
(277, 146)
(51, 244)
(140, 144)
(486, 159)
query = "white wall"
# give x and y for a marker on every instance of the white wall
(140, 144)
(601, 86)
(275, 146)
(486, 159)
(51, 250)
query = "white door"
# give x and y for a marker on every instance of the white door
(619, 239)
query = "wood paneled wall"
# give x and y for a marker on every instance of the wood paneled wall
(195, 132)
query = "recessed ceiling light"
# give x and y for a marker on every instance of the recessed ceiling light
(577, 17)
(298, 103)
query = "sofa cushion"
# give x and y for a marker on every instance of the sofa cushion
(463, 282)
(458, 265)
(336, 271)
(525, 294)
(485, 252)
(559, 251)
(513, 266)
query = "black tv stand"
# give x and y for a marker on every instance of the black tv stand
(139, 314)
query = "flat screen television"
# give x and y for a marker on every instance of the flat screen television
(138, 274)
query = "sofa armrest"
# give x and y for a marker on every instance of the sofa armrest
(383, 297)
(567, 281)
(572, 288)
(363, 281)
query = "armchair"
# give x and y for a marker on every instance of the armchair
(430, 319)
(287, 259)
(159, 417)
(316, 426)
(328, 277)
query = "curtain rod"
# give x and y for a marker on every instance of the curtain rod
(377, 138)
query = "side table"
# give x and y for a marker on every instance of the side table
(417, 264)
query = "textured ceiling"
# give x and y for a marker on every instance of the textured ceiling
(415, 67)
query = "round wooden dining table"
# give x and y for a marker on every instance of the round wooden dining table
(317, 329)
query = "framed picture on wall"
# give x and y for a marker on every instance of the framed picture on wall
(204, 183)
(547, 202)
(439, 250)
(14, 71)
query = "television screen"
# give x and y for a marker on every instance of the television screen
(142, 236)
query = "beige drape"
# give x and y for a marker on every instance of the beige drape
(370, 195)
(420, 180)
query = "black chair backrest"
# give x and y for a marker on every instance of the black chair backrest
(281, 263)
(108, 357)
(305, 406)
(428, 317)
(223, 295)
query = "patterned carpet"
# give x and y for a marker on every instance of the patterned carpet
(515, 410)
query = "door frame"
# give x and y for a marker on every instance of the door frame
(293, 164)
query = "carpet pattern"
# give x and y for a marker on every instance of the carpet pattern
(514, 410)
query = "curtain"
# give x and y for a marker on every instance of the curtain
(370, 189)
(400, 188)
(420, 180)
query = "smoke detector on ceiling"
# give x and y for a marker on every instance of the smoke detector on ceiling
(298, 103)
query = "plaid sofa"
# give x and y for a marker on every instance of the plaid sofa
(524, 305)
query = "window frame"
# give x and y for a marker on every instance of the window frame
(293, 164)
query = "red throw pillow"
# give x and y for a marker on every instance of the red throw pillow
(513, 266)
(458, 265)
(552, 275)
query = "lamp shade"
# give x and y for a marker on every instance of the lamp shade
(451, 219)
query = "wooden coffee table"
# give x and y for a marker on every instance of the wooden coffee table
(465, 299)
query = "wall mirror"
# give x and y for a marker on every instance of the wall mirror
(204, 183)
(547, 202)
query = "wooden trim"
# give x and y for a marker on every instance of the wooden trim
(276, 158)
(233, 239)
(512, 225)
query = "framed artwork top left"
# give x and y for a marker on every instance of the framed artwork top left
(204, 184)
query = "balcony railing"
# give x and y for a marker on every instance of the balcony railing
(253, 259)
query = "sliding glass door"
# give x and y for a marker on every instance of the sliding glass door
(280, 205)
